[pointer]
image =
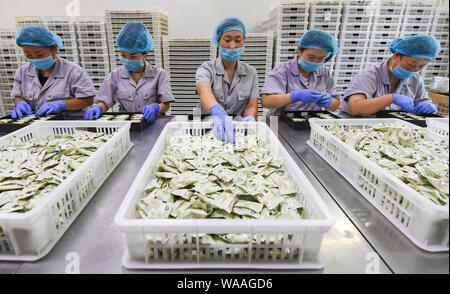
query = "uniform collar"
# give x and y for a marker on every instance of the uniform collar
(295, 71)
(149, 72)
(220, 70)
(57, 72)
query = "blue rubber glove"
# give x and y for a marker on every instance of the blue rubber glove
(150, 111)
(406, 103)
(325, 100)
(21, 107)
(425, 107)
(95, 111)
(222, 124)
(306, 96)
(51, 107)
(248, 118)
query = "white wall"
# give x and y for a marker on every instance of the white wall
(187, 18)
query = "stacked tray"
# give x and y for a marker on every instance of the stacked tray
(299, 120)
(9, 125)
(182, 58)
(417, 119)
(138, 124)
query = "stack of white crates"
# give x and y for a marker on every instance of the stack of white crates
(291, 19)
(156, 22)
(24, 21)
(258, 53)
(11, 58)
(326, 16)
(418, 17)
(386, 27)
(439, 67)
(182, 57)
(63, 26)
(93, 48)
(355, 32)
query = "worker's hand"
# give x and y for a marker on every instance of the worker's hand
(95, 111)
(306, 96)
(248, 118)
(405, 102)
(425, 107)
(51, 107)
(223, 127)
(150, 111)
(21, 107)
(325, 100)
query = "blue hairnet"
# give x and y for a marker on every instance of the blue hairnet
(38, 36)
(228, 24)
(134, 37)
(420, 46)
(319, 39)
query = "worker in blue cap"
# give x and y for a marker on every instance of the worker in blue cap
(228, 86)
(47, 83)
(137, 85)
(395, 83)
(303, 83)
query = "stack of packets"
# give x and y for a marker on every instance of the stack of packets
(407, 153)
(200, 177)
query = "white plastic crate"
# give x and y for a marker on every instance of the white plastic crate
(439, 28)
(355, 35)
(335, 18)
(438, 126)
(356, 19)
(421, 220)
(30, 236)
(140, 234)
(353, 43)
(358, 10)
(363, 27)
(387, 19)
(350, 58)
(389, 10)
(377, 58)
(343, 66)
(386, 27)
(422, 19)
(352, 50)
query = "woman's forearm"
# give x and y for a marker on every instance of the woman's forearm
(207, 98)
(275, 100)
(163, 107)
(364, 107)
(78, 103)
(252, 108)
(334, 104)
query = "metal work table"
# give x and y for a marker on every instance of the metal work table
(345, 249)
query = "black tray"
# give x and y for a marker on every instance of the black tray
(203, 116)
(418, 122)
(10, 127)
(135, 127)
(287, 117)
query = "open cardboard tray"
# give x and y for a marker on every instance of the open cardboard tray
(135, 127)
(12, 127)
(287, 116)
(417, 122)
